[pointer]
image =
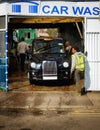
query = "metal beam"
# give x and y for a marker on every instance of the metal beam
(46, 20)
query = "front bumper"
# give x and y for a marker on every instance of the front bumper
(49, 70)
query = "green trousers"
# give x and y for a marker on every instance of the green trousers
(78, 76)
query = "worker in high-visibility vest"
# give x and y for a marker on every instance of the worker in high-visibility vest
(78, 67)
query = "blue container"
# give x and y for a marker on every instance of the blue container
(2, 61)
(2, 73)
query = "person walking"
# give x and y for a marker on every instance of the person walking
(22, 49)
(78, 67)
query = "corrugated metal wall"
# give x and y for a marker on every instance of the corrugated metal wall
(92, 47)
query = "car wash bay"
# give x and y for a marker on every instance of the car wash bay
(70, 29)
(89, 25)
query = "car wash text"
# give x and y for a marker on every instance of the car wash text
(46, 9)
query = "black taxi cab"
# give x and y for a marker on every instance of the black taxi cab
(48, 60)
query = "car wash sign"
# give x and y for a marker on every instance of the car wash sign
(49, 8)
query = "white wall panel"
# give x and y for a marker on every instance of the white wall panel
(92, 47)
(93, 25)
(92, 76)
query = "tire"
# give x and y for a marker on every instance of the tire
(30, 79)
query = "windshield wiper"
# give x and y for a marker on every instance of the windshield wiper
(46, 48)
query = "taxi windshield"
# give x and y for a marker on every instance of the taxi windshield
(48, 46)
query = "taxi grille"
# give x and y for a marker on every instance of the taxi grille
(49, 68)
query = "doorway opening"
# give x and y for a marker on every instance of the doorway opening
(70, 29)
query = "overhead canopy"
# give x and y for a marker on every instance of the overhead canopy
(46, 20)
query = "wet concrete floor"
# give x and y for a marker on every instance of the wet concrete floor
(19, 82)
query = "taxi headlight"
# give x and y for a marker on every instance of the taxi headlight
(65, 64)
(33, 65)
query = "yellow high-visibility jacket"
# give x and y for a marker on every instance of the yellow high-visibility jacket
(78, 61)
